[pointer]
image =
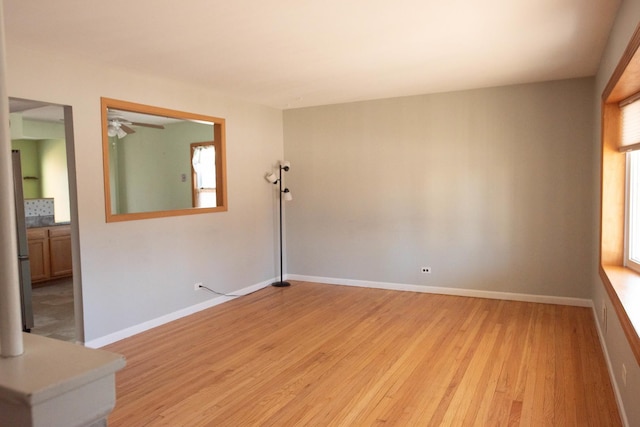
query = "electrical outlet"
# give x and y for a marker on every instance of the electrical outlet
(197, 286)
(426, 270)
(624, 375)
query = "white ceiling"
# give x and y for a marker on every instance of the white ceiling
(296, 53)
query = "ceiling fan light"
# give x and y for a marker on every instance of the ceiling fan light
(121, 133)
(112, 131)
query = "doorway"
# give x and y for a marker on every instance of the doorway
(43, 132)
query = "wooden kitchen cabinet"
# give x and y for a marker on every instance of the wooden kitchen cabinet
(60, 251)
(38, 243)
(49, 252)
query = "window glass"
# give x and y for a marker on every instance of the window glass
(203, 160)
(633, 210)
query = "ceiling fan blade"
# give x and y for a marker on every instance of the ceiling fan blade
(147, 125)
(126, 128)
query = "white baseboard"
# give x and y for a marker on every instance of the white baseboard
(136, 329)
(616, 389)
(579, 302)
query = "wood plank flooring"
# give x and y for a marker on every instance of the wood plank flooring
(324, 355)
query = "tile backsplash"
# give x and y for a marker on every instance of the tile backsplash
(38, 207)
(38, 212)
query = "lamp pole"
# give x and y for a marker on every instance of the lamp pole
(281, 283)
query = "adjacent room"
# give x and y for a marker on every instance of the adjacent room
(330, 213)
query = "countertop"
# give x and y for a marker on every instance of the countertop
(55, 224)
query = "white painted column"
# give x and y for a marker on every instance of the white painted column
(11, 343)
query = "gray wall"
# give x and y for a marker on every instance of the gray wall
(616, 342)
(491, 188)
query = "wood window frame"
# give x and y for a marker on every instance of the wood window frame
(218, 134)
(622, 284)
(219, 177)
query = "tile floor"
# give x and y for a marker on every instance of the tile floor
(53, 310)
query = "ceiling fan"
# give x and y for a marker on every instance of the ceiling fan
(119, 126)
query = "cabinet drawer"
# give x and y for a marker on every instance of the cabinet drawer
(37, 233)
(61, 230)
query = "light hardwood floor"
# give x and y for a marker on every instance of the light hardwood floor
(324, 355)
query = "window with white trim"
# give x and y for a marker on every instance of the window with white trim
(630, 142)
(203, 173)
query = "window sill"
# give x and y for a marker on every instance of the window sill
(623, 287)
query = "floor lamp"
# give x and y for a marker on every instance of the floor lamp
(286, 195)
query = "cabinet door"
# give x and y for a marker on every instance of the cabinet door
(60, 250)
(38, 242)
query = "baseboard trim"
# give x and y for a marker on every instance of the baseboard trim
(145, 326)
(579, 302)
(612, 377)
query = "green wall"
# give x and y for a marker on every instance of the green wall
(45, 160)
(150, 163)
(30, 162)
(54, 179)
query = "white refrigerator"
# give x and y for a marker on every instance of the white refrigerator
(23, 248)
